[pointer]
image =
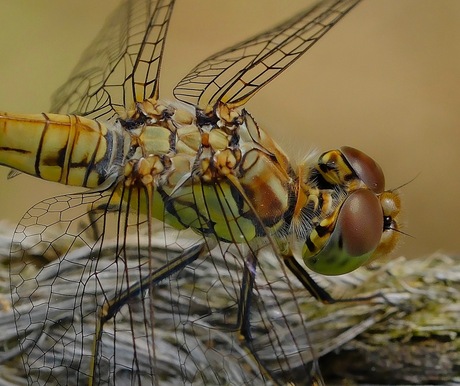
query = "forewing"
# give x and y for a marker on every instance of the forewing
(234, 75)
(121, 66)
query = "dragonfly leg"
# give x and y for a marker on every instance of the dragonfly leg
(316, 290)
(110, 308)
(243, 318)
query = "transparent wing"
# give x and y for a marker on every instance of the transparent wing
(99, 296)
(121, 66)
(234, 75)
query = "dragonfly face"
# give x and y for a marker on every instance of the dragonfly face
(157, 169)
(362, 225)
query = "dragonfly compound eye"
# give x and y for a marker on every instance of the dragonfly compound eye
(365, 168)
(354, 238)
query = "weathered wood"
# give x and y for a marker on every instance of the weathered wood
(417, 341)
(408, 335)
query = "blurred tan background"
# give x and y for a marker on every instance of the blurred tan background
(386, 80)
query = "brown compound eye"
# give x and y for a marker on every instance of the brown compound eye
(355, 237)
(365, 168)
(360, 223)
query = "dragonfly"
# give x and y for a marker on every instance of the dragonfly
(172, 264)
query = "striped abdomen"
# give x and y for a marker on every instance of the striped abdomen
(68, 149)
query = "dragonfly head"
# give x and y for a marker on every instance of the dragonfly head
(363, 224)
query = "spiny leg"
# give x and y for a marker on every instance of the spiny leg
(244, 326)
(315, 290)
(110, 308)
(243, 319)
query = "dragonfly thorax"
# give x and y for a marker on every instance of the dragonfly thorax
(191, 163)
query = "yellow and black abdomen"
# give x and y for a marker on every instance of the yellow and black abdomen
(68, 149)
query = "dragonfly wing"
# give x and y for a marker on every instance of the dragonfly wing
(57, 292)
(73, 257)
(76, 256)
(234, 75)
(122, 64)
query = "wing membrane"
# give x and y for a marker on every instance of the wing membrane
(234, 75)
(121, 66)
(74, 254)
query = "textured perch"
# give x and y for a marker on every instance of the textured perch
(409, 335)
(416, 341)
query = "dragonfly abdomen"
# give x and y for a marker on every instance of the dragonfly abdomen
(68, 149)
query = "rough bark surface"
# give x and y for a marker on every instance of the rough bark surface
(409, 334)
